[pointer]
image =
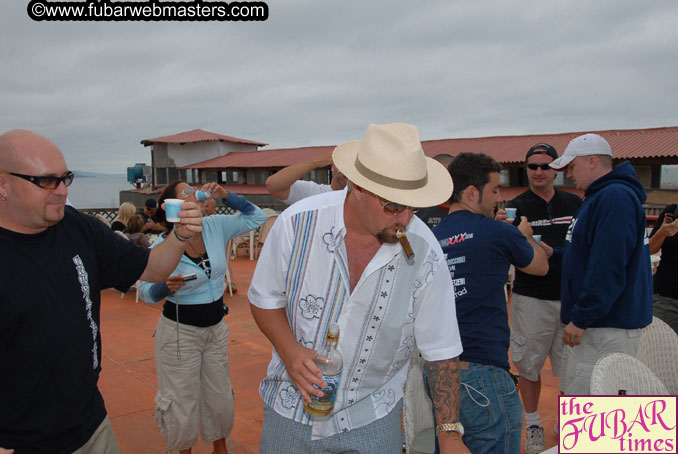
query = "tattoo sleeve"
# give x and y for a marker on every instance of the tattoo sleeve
(443, 380)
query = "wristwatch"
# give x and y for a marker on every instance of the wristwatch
(451, 427)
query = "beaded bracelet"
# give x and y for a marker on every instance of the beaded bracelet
(182, 238)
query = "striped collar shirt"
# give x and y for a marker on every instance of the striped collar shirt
(304, 268)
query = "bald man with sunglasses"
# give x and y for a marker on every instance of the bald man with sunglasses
(54, 263)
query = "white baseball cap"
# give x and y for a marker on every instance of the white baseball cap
(586, 145)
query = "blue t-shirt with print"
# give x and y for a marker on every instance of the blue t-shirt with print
(479, 252)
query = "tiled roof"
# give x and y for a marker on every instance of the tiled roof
(265, 158)
(625, 143)
(198, 135)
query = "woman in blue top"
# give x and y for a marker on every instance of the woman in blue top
(191, 340)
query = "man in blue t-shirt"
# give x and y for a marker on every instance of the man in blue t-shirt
(479, 253)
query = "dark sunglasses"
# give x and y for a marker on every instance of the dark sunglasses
(45, 182)
(533, 166)
(392, 208)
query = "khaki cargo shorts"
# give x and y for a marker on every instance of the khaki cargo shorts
(194, 383)
(536, 332)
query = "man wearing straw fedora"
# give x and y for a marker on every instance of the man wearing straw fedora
(360, 259)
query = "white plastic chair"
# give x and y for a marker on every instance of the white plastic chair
(417, 408)
(617, 371)
(659, 351)
(237, 241)
(263, 233)
(229, 252)
(136, 284)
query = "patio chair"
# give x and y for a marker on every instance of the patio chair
(417, 410)
(237, 241)
(229, 257)
(135, 286)
(659, 351)
(261, 236)
(617, 371)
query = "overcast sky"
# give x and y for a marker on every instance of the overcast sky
(317, 72)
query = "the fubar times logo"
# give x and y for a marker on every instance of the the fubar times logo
(617, 424)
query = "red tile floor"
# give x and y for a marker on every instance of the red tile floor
(129, 383)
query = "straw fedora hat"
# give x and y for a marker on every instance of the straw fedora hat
(390, 163)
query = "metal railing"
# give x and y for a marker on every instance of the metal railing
(110, 213)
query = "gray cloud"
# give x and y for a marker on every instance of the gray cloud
(317, 73)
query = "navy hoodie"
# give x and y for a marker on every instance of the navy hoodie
(607, 277)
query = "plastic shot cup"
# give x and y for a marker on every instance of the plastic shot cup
(172, 209)
(511, 213)
(537, 238)
(202, 195)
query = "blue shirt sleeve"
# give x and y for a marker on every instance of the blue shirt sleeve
(238, 202)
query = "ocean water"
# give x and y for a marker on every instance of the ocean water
(90, 190)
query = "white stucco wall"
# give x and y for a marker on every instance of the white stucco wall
(184, 155)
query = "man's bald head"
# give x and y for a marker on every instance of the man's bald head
(27, 207)
(20, 150)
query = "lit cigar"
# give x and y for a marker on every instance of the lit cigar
(400, 234)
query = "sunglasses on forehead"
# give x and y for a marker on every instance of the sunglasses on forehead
(533, 166)
(189, 191)
(45, 182)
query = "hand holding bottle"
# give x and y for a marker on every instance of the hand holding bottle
(331, 364)
(303, 371)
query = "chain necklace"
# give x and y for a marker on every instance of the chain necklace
(195, 251)
(204, 262)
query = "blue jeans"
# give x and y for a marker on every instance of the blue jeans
(490, 410)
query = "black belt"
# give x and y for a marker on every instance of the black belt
(200, 315)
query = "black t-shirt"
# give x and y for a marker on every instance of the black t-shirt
(666, 277)
(432, 215)
(550, 220)
(118, 225)
(50, 344)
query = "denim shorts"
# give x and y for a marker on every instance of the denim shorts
(490, 410)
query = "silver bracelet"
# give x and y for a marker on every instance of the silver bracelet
(182, 238)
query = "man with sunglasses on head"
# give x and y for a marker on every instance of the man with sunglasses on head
(479, 252)
(54, 263)
(336, 258)
(536, 331)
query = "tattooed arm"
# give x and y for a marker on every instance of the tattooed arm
(443, 379)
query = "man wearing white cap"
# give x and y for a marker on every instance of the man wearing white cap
(336, 258)
(606, 293)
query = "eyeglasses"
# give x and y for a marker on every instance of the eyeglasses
(533, 166)
(47, 181)
(549, 211)
(188, 192)
(392, 208)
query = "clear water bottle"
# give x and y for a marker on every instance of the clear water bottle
(202, 195)
(331, 363)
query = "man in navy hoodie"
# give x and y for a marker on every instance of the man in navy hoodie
(606, 290)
